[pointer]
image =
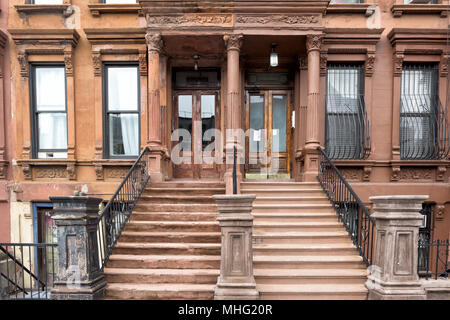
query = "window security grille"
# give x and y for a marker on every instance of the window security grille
(423, 120)
(347, 124)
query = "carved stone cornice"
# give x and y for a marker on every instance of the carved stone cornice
(443, 66)
(233, 41)
(398, 63)
(369, 64)
(154, 42)
(314, 42)
(97, 62)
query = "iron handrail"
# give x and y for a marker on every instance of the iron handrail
(117, 211)
(349, 207)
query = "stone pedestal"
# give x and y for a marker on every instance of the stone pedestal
(79, 276)
(236, 280)
(394, 273)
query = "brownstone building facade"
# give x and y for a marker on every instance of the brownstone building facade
(93, 83)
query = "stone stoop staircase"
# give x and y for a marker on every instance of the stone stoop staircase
(170, 247)
(300, 249)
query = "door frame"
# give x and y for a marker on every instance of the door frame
(268, 124)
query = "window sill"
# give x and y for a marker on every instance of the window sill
(45, 169)
(349, 8)
(101, 8)
(27, 9)
(399, 9)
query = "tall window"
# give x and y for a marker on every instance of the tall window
(418, 112)
(49, 111)
(121, 110)
(346, 121)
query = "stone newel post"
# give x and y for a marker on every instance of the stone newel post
(79, 276)
(236, 279)
(394, 273)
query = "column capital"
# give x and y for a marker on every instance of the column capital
(154, 41)
(314, 42)
(233, 41)
(398, 58)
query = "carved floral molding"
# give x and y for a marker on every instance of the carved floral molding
(201, 19)
(283, 19)
(47, 170)
(417, 174)
(314, 42)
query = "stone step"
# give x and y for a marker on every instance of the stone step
(193, 276)
(173, 216)
(175, 226)
(144, 206)
(308, 262)
(267, 184)
(164, 261)
(304, 249)
(182, 191)
(262, 226)
(135, 248)
(275, 200)
(295, 217)
(307, 192)
(312, 292)
(292, 208)
(189, 184)
(177, 291)
(166, 237)
(176, 199)
(294, 237)
(310, 276)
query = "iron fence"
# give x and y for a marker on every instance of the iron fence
(350, 209)
(117, 211)
(27, 270)
(433, 259)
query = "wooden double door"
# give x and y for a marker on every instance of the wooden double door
(268, 120)
(196, 116)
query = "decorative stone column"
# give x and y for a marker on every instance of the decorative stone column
(313, 44)
(79, 276)
(233, 43)
(394, 271)
(155, 46)
(236, 280)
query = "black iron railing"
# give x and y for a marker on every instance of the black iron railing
(27, 270)
(117, 211)
(350, 209)
(433, 259)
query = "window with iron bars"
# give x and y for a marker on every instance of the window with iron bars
(347, 124)
(423, 120)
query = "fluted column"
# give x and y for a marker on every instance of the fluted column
(233, 44)
(154, 46)
(313, 44)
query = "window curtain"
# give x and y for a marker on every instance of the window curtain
(123, 96)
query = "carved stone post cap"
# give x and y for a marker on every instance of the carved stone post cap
(75, 207)
(398, 199)
(399, 207)
(235, 206)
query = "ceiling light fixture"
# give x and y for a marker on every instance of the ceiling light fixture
(273, 56)
(196, 57)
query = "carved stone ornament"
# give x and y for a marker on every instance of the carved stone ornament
(50, 173)
(395, 176)
(71, 171)
(303, 62)
(202, 19)
(351, 174)
(68, 63)
(313, 42)
(117, 173)
(98, 171)
(440, 212)
(26, 169)
(143, 64)
(440, 173)
(398, 63)
(323, 64)
(154, 42)
(233, 41)
(366, 173)
(443, 70)
(97, 61)
(23, 62)
(370, 64)
(285, 19)
(416, 174)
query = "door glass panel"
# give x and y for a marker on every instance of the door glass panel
(185, 121)
(279, 124)
(256, 124)
(208, 103)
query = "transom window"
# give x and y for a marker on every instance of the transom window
(49, 120)
(121, 86)
(346, 120)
